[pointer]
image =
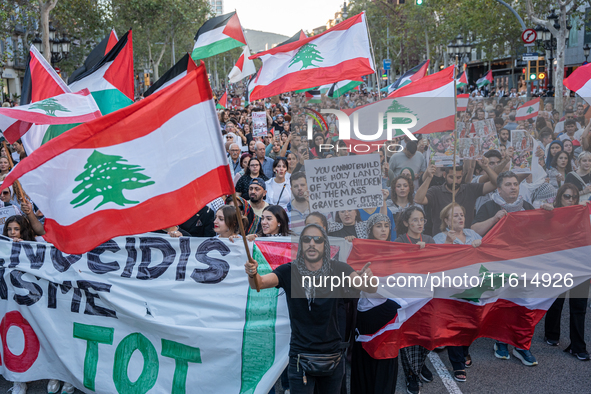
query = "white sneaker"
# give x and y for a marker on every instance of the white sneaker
(68, 388)
(19, 388)
(53, 387)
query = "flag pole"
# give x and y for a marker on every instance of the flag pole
(241, 226)
(18, 189)
(374, 57)
(453, 190)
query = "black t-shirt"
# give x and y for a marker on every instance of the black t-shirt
(314, 329)
(571, 178)
(490, 209)
(200, 224)
(344, 232)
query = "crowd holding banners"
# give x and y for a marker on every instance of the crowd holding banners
(275, 202)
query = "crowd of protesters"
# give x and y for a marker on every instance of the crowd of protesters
(418, 208)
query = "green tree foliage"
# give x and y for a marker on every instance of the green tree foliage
(156, 24)
(106, 176)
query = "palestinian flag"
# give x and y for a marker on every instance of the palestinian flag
(243, 67)
(178, 71)
(223, 101)
(503, 295)
(61, 109)
(342, 87)
(40, 82)
(462, 80)
(412, 75)
(528, 110)
(218, 35)
(313, 97)
(580, 82)
(105, 179)
(296, 37)
(342, 52)
(110, 80)
(487, 79)
(96, 55)
(462, 102)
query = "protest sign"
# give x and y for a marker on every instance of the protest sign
(5, 213)
(259, 124)
(469, 148)
(521, 161)
(183, 303)
(344, 183)
(441, 149)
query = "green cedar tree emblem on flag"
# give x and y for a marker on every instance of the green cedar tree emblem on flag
(107, 176)
(397, 107)
(49, 105)
(530, 110)
(486, 284)
(307, 54)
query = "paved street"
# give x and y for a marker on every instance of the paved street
(557, 372)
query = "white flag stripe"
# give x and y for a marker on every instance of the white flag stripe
(170, 82)
(95, 82)
(332, 52)
(209, 37)
(178, 138)
(248, 67)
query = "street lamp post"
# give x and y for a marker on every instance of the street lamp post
(59, 47)
(549, 43)
(586, 50)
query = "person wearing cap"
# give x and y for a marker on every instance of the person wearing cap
(257, 191)
(314, 311)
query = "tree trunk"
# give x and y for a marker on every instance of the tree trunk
(45, 8)
(157, 62)
(559, 75)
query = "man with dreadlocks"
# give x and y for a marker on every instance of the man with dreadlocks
(316, 345)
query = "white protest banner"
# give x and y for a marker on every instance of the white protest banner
(183, 304)
(343, 183)
(5, 213)
(523, 144)
(259, 124)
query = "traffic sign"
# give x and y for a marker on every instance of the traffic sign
(387, 64)
(529, 36)
(57, 70)
(526, 57)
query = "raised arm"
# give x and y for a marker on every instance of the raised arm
(27, 209)
(421, 194)
(265, 281)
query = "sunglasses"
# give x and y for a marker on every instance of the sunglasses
(5, 193)
(317, 239)
(565, 196)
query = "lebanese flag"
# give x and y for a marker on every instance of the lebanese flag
(505, 309)
(296, 37)
(145, 167)
(223, 101)
(97, 53)
(111, 83)
(218, 35)
(580, 82)
(178, 71)
(528, 110)
(462, 80)
(64, 108)
(462, 100)
(40, 82)
(342, 52)
(412, 75)
(485, 80)
(243, 67)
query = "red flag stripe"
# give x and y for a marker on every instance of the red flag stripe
(444, 322)
(79, 237)
(428, 83)
(350, 69)
(421, 72)
(498, 245)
